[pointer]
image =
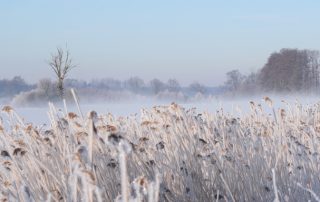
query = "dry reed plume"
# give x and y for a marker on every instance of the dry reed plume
(167, 153)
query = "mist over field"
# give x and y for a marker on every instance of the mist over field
(289, 76)
(235, 106)
(254, 137)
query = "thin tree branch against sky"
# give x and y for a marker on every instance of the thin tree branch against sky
(188, 40)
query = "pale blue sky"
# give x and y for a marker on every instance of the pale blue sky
(188, 40)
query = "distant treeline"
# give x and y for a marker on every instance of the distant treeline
(12, 87)
(286, 71)
(139, 86)
(108, 89)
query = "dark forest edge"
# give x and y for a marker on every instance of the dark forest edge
(286, 71)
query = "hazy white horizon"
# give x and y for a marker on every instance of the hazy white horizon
(186, 40)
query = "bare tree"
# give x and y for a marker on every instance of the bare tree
(173, 85)
(61, 63)
(249, 84)
(47, 87)
(313, 65)
(291, 70)
(134, 84)
(157, 86)
(196, 87)
(234, 80)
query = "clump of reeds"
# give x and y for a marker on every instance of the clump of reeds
(168, 153)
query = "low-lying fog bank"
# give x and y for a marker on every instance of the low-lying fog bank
(235, 106)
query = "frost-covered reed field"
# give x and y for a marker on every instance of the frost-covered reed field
(165, 153)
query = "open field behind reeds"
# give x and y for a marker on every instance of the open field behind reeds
(165, 153)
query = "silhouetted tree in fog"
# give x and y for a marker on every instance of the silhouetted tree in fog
(290, 70)
(173, 85)
(46, 86)
(61, 63)
(134, 84)
(313, 70)
(157, 86)
(234, 80)
(249, 85)
(196, 87)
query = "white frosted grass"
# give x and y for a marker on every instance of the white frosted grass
(226, 185)
(90, 141)
(65, 106)
(124, 175)
(310, 191)
(77, 102)
(166, 153)
(275, 188)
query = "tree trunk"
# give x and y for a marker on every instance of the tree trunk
(60, 88)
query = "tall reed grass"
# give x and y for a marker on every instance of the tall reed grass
(166, 153)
